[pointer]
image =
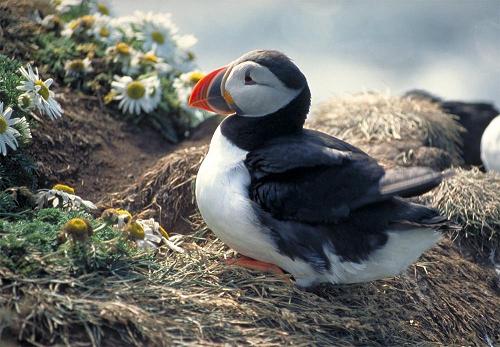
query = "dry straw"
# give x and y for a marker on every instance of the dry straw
(165, 191)
(472, 199)
(192, 298)
(392, 128)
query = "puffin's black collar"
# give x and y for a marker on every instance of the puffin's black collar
(249, 133)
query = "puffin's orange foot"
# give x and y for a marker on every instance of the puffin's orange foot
(258, 265)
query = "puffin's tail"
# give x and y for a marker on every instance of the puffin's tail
(410, 182)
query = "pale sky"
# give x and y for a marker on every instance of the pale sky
(448, 47)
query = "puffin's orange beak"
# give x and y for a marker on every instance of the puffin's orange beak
(208, 95)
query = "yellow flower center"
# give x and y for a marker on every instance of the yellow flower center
(77, 226)
(158, 37)
(135, 230)
(103, 9)
(77, 65)
(104, 32)
(150, 58)
(123, 48)
(195, 76)
(44, 90)
(57, 2)
(136, 90)
(123, 212)
(3, 125)
(87, 21)
(64, 188)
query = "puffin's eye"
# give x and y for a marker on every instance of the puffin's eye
(248, 79)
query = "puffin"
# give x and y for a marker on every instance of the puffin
(490, 146)
(297, 202)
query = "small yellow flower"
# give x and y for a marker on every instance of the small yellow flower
(135, 230)
(64, 188)
(122, 48)
(150, 57)
(78, 229)
(87, 21)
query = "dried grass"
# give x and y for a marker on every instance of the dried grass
(392, 128)
(193, 298)
(165, 191)
(472, 199)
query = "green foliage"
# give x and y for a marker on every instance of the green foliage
(33, 246)
(54, 51)
(9, 80)
(7, 203)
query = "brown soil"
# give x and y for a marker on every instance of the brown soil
(97, 153)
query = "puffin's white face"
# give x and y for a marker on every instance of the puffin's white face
(255, 90)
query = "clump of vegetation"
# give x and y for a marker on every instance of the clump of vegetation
(54, 291)
(34, 245)
(471, 198)
(16, 166)
(139, 66)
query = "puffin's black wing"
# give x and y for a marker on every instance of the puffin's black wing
(315, 178)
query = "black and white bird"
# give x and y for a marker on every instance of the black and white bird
(300, 200)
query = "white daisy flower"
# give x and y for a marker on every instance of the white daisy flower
(78, 26)
(138, 95)
(104, 30)
(122, 53)
(78, 67)
(8, 134)
(148, 234)
(158, 31)
(102, 7)
(148, 62)
(43, 97)
(64, 6)
(62, 196)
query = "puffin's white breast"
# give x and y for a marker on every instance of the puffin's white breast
(222, 197)
(490, 146)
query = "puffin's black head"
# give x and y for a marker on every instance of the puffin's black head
(260, 83)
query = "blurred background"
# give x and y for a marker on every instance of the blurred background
(450, 48)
